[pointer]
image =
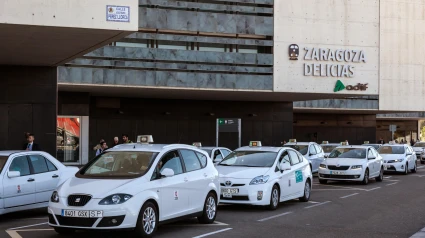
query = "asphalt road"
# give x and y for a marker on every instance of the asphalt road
(393, 208)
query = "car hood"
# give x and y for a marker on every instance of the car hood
(391, 156)
(98, 188)
(344, 161)
(240, 172)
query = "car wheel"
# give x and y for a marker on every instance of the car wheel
(323, 181)
(414, 169)
(366, 177)
(381, 176)
(274, 198)
(210, 210)
(406, 169)
(148, 221)
(64, 231)
(307, 192)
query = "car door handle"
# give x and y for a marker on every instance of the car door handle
(31, 180)
(55, 176)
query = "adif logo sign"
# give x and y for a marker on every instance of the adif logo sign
(339, 86)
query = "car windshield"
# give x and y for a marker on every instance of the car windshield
(250, 159)
(419, 145)
(303, 149)
(398, 150)
(120, 164)
(3, 160)
(351, 153)
(328, 148)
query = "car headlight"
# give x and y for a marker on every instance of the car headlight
(259, 180)
(323, 166)
(356, 167)
(115, 199)
(399, 160)
(54, 197)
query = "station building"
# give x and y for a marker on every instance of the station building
(220, 72)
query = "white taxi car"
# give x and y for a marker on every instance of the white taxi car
(310, 150)
(28, 178)
(137, 186)
(419, 148)
(352, 163)
(217, 154)
(398, 158)
(328, 147)
(264, 176)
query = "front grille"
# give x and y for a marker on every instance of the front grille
(235, 198)
(391, 168)
(52, 219)
(339, 176)
(233, 185)
(76, 221)
(78, 200)
(333, 167)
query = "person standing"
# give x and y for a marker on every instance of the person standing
(116, 141)
(30, 145)
(102, 148)
(125, 139)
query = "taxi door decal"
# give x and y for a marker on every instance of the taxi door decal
(298, 176)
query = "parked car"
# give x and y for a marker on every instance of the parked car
(398, 158)
(310, 150)
(137, 186)
(28, 179)
(217, 154)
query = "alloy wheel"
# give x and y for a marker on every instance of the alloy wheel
(149, 220)
(211, 207)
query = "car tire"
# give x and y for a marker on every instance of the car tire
(64, 230)
(380, 178)
(414, 169)
(323, 181)
(406, 169)
(307, 192)
(148, 215)
(274, 198)
(210, 210)
(366, 177)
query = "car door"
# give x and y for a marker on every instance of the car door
(312, 156)
(297, 170)
(411, 157)
(46, 179)
(320, 155)
(372, 163)
(19, 191)
(285, 183)
(197, 182)
(173, 196)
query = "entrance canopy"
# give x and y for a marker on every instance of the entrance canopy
(51, 32)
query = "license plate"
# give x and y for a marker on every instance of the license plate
(85, 214)
(227, 195)
(229, 191)
(385, 167)
(337, 172)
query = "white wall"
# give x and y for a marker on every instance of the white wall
(402, 62)
(330, 24)
(67, 13)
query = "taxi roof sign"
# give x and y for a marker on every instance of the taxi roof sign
(293, 140)
(145, 139)
(197, 144)
(344, 143)
(366, 142)
(325, 142)
(392, 142)
(255, 143)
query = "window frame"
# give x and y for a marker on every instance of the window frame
(296, 156)
(162, 157)
(29, 165)
(309, 150)
(206, 159)
(229, 151)
(33, 170)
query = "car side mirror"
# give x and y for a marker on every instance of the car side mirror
(167, 172)
(13, 174)
(409, 153)
(371, 158)
(285, 166)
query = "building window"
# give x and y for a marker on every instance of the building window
(248, 49)
(68, 139)
(213, 47)
(173, 45)
(143, 44)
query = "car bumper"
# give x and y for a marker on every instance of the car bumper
(394, 167)
(249, 194)
(122, 216)
(344, 175)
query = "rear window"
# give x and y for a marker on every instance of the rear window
(399, 150)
